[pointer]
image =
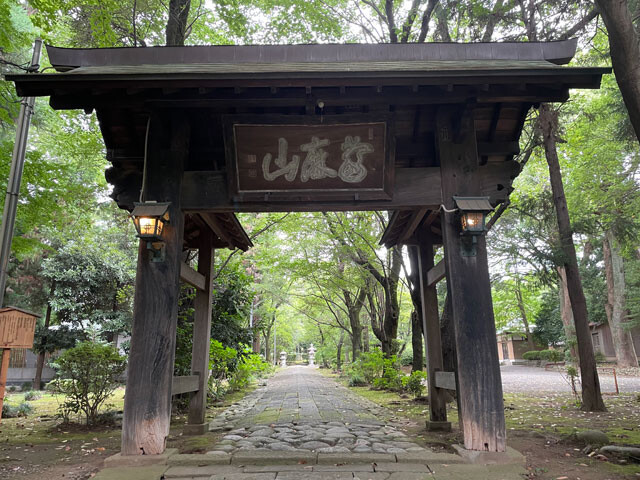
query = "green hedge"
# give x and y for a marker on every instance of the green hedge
(546, 355)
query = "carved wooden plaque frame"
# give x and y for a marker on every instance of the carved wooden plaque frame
(301, 158)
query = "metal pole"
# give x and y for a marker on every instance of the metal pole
(275, 332)
(15, 175)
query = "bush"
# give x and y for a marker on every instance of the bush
(32, 395)
(222, 360)
(249, 367)
(600, 358)
(531, 355)
(551, 355)
(26, 386)
(406, 358)
(11, 411)
(356, 379)
(371, 365)
(413, 383)
(92, 371)
(391, 378)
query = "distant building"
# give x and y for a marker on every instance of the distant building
(511, 346)
(22, 367)
(603, 342)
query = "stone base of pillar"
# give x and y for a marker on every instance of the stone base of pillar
(475, 457)
(438, 426)
(196, 428)
(119, 460)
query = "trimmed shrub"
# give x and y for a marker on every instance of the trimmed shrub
(531, 355)
(92, 371)
(551, 355)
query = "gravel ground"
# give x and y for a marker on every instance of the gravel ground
(519, 378)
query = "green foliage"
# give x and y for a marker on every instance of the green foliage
(32, 395)
(249, 367)
(531, 355)
(355, 378)
(93, 372)
(87, 285)
(406, 358)
(222, 361)
(392, 378)
(551, 355)
(414, 383)
(24, 409)
(600, 357)
(371, 365)
(549, 329)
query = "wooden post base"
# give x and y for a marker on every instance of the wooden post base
(196, 428)
(438, 426)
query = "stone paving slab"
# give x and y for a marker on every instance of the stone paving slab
(195, 459)
(315, 476)
(199, 472)
(147, 472)
(252, 457)
(401, 467)
(347, 458)
(244, 476)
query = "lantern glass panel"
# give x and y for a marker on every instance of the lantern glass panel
(473, 222)
(150, 226)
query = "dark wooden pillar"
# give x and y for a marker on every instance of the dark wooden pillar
(432, 340)
(479, 382)
(201, 338)
(147, 405)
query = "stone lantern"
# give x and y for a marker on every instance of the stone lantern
(283, 359)
(312, 355)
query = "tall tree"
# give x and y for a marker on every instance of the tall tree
(625, 52)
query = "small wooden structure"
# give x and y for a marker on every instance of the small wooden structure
(402, 127)
(17, 328)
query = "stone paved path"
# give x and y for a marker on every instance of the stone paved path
(303, 426)
(300, 410)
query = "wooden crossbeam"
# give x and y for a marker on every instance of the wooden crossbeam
(435, 274)
(446, 380)
(185, 384)
(190, 276)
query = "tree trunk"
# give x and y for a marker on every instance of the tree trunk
(365, 338)
(566, 314)
(267, 347)
(591, 396)
(37, 381)
(339, 352)
(176, 31)
(523, 313)
(416, 342)
(625, 54)
(616, 308)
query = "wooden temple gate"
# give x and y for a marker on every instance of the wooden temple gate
(404, 128)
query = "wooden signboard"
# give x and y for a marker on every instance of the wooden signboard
(299, 157)
(16, 331)
(16, 328)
